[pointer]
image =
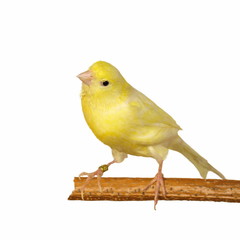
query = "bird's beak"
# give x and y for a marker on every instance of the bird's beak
(85, 77)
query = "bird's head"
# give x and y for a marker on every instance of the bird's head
(102, 77)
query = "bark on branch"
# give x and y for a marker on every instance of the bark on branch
(128, 189)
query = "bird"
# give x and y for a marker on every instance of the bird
(130, 123)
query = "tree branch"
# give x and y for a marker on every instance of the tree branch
(128, 189)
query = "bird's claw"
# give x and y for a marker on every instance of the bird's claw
(98, 173)
(159, 180)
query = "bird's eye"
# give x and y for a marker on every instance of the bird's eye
(105, 83)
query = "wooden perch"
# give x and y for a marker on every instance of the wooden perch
(128, 189)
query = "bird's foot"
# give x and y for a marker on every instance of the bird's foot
(98, 173)
(158, 179)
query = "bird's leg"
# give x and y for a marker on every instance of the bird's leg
(98, 173)
(158, 179)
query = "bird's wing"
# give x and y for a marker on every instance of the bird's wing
(151, 124)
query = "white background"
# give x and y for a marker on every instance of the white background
(184, 55)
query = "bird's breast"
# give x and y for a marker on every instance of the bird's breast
(107, 119)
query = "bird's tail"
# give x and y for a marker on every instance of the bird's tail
(198, 161)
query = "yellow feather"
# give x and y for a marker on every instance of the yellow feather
(129, 122)
(122, 117)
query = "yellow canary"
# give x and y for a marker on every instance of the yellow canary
(130, 123)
